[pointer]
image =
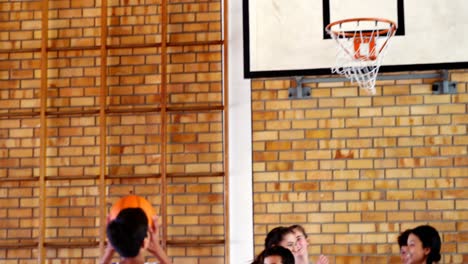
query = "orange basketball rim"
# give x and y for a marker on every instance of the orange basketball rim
(362, 36)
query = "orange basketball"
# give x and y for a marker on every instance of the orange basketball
(133, 201)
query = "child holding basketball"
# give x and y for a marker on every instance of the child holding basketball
(129, 235)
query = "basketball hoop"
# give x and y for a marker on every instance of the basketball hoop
(362, 43)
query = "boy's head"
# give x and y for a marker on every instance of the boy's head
(128, 231)
(277, 255)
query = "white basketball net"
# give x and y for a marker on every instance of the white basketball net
(361, 47)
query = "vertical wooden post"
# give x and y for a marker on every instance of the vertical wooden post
(103, 129)
(225, 22)
(164, 121)
(43, 132)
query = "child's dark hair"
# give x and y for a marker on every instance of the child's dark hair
(275, 236)
(286, 256)
(403, 238)
(127, 231)
(430, 239)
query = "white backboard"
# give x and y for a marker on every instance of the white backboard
(287, 38)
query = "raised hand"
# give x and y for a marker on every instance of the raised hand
(322, 260)
(154, 246)
(109, 251)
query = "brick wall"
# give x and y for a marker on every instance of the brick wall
(356, 170)
(181, 171)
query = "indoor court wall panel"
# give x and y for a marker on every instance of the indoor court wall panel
(195, 75)
(19, 220)
(20, 25)
(193, 20)
(195, 205)
(134, 22)
(134, 78)
(73, 24)
(73, 80)
(97, 104)
(356, 170)
(20, 81)
(72, 211)
(73, 146)
(19, 154)
(134, 144)
(195, 143)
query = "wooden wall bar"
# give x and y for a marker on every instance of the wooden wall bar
(107, 98)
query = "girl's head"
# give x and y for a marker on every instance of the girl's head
(301, 239)
(423, 245)
(281, 236)
(275, 255)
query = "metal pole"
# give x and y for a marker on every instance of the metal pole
(380, 77)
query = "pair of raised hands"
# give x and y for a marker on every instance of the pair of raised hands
(153, 246)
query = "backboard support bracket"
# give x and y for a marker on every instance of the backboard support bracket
(445, 86)
(299, 92)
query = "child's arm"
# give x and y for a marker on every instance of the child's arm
(154, 246)
(108, 253)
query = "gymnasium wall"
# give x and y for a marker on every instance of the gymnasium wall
(71, 146)
(356, 170)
